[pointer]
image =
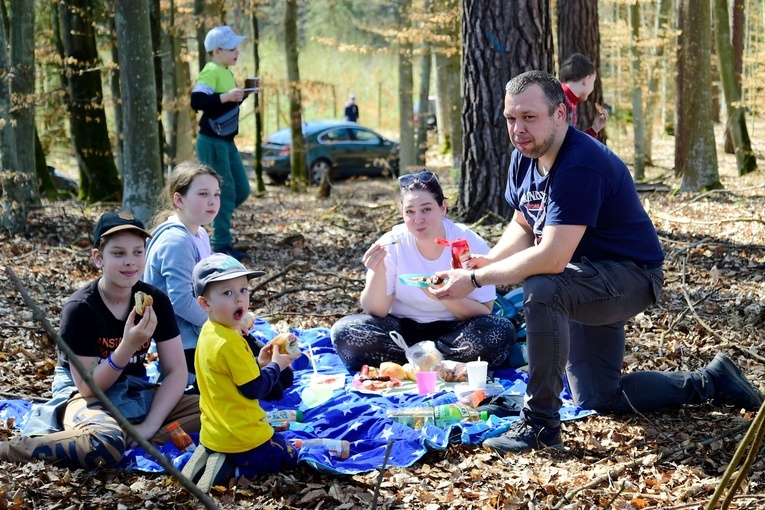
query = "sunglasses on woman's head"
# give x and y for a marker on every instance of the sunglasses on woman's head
(424, 177)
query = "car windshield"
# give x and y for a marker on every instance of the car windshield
(283, 136)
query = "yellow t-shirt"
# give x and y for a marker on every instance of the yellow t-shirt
(231, 423)
(220, 79)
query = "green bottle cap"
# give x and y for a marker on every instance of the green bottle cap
(484, 415)
(299, 415)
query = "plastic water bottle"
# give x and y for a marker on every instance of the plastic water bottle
(180, 438)
(281, 415)
(339, 448)
(441, 416)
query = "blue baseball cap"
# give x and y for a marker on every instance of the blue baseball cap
(218, 267)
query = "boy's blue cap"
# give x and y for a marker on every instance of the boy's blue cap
(115, 221)
(222, 37)
(216, 268)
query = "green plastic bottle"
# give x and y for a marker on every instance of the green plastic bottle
(441, 416)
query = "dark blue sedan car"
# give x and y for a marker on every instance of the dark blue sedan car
(349, 148)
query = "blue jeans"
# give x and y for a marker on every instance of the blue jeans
(575, 323)
(224, 158)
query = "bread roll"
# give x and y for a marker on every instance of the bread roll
(392, 370)
(287, 343)
(142, 300)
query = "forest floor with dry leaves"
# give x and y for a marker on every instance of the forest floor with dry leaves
(714, 300)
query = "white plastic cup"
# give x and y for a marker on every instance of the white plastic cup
(477, 374)
(426, 382)
(315, 395)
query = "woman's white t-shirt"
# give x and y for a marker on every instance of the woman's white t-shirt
(404, 258)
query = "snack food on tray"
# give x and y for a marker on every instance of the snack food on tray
(396, 371)
(451, 371)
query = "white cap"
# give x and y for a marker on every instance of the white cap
(222, 37)
(353, 96)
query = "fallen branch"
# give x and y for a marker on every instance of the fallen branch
(16, 396)
(263, 283)
(643, 461)
(688, 221)
(301, 289)
(39, 315)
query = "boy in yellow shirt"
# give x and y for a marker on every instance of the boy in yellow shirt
(235, 440)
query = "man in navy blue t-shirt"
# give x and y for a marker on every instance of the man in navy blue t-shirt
(589, 259)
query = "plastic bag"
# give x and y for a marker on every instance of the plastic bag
(423, 355)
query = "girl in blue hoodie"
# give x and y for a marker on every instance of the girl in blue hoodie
(191, 199)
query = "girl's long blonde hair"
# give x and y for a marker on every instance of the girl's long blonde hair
(179, 181)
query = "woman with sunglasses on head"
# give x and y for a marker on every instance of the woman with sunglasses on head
(462, 329)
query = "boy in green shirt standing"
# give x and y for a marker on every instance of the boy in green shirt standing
(218, 97)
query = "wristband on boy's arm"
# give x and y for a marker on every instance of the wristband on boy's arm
(473, 280)
(113, 364)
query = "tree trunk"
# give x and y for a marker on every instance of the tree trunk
(661, 33)
(454, 113)
(17, 186)
(737, 40)
(114, 87)
(695, 151)
(578, 32)
(745, 159)
(405, 91)
(500, 40)
(22, 22)
(299, 179)
(98, 174)
(442, 98)
(260, 187)
(142, 176)
(179, 132)
(155, 27)
(200, 15)
(424, 107)
(637, 95)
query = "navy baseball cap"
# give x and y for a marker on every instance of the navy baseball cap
(115, 221)
(216, 268)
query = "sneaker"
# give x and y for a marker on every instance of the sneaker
(238, 255)
(213, 466)
(196, 465)
(523, 436)
(731, 385)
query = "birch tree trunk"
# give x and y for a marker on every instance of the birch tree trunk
(142, 177)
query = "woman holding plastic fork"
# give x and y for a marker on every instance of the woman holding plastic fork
(463, 329)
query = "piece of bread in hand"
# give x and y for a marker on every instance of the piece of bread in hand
(287, 343)
(248, 320)
(142, 300)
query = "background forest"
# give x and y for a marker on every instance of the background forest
(75, 90)
(682, 79)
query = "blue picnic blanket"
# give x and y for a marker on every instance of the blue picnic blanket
(349, 414)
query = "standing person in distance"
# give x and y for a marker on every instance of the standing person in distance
(577, 77)
(218, 97)
(352, 109)
(589, 259)
(191, 199)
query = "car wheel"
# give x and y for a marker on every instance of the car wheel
(319, 168)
